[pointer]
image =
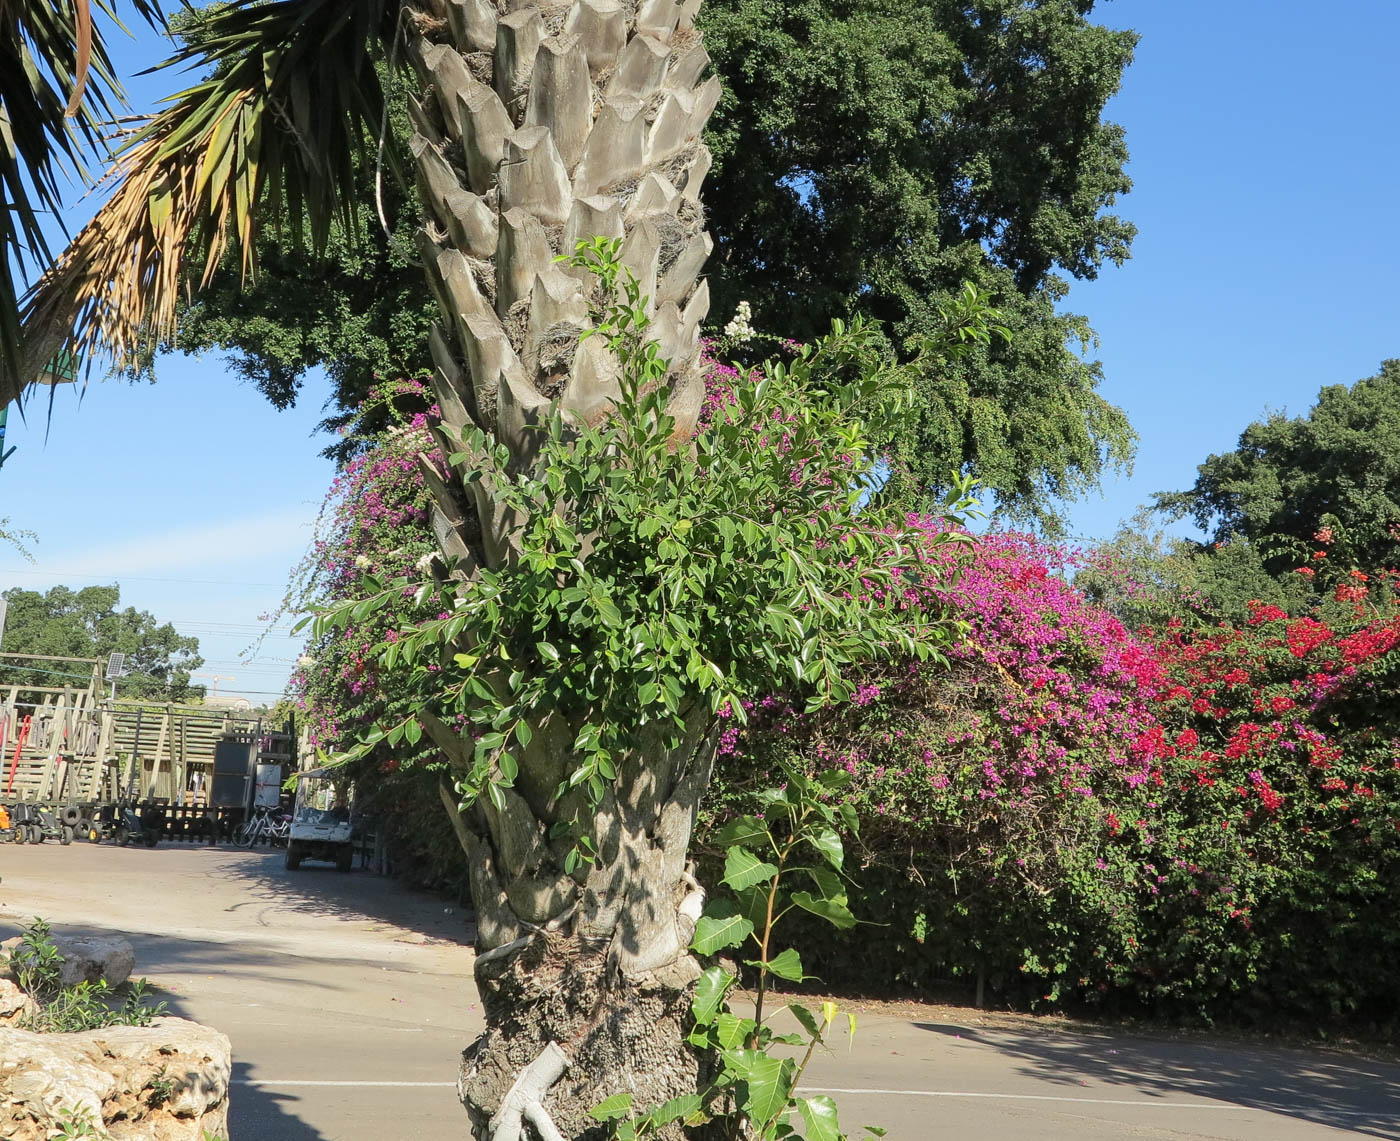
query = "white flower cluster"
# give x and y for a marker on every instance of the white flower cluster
(306, 661)
(741, 327)
(363, 562)
(424, 564)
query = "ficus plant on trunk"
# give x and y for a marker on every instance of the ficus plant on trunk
(651, 581)
(613, 579)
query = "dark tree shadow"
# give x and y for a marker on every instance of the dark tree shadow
(318, 889)
(263, 1113)
(1342, 1091)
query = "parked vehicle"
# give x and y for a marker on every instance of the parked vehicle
(33, 824)
(122, 824)
(321, 821)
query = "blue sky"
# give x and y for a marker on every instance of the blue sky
(1265, 151)
(1265, 158)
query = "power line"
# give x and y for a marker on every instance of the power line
(139, 578)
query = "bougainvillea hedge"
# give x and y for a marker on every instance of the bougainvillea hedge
(1199, 819)
(1196, 820)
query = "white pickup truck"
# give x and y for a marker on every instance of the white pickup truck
(321, 824)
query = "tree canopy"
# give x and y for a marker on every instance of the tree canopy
(88, 623)
(1329, 478)
(872, 155)
(915, 177)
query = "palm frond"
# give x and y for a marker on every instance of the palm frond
(271, 133)
(57, 90)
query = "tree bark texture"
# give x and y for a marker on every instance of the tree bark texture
(539, 126)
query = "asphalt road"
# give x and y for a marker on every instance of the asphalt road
(348, 1001)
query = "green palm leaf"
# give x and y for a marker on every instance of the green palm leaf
(57, 91)
(269, 134)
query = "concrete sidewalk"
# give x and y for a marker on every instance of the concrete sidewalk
(349, 1000)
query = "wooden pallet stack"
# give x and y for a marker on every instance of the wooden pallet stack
(72, 743)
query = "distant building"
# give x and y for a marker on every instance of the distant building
(228, 701)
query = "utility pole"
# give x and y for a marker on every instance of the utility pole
(215, 678)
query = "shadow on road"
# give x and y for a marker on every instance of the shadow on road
(319, 890)
(1349, 1093)
(257, 1111)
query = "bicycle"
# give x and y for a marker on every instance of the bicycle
(267, 824)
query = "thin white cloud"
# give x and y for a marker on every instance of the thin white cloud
(208, 548)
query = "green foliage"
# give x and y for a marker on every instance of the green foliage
(87, 623)
(355, 306)
(76, 1123)
(37, 966)
(955, 142)
(58, 91)
(979, 790)
(753, 1094)
(917, 172)
(161, 1087)
(1334, 471)
(1278, 851)
(16, 539)
(657, 582)
(1147, 577)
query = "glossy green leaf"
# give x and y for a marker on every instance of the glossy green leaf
(819, 1117)
(835, 913)
(720, 927)
(681, 1108)
(731, 1031)
(828, 844)
(749, 830)
(787, 965)
(766, 1087)
(742, 869)
(710, 989)
(619, 1105)
(807, 1018)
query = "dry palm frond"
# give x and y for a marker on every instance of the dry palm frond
(271, 134)
(57, 88)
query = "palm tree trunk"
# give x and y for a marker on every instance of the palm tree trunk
(538, 127)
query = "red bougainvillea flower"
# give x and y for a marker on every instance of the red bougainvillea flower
(1323, 535)
(1305, 635)
(1319, 554)
(1306, 571)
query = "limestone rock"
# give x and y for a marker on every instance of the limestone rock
(87, 958)
(163, 1082)
(14, 1003)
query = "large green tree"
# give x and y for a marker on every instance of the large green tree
(1326, 480)
(869, 156)
(91, 623)
(876, 153)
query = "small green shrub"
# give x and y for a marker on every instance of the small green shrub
(37, 967)
(162, 1088)
(788, 859)
(75, 1124)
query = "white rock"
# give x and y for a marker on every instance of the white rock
(163, 1082)
(14, 1003)
(87, 958)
